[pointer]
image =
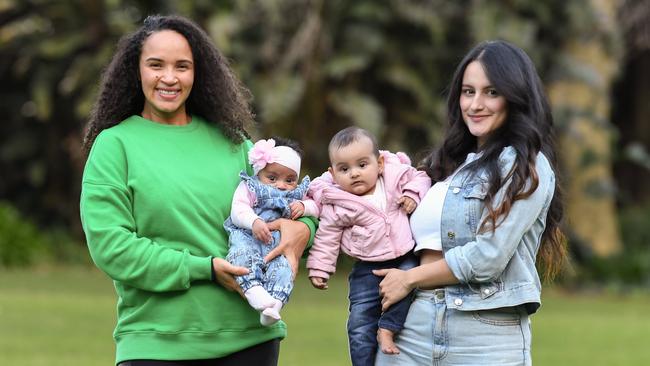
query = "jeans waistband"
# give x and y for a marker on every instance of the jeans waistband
(436, 295)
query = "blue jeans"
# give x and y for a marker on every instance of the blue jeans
(275, 276)
(436, 335)
(365, 308)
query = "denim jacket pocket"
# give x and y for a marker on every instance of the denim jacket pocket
(485, 290)
(475, 195)
(489, 289)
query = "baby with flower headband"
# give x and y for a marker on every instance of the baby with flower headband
(272, 193)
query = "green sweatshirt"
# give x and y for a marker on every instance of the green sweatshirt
(153, 202)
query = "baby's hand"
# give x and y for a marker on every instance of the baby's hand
(297, 209)
(261, 231)
(319, 282)
(408, 204)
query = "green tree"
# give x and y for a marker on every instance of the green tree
(52, 53)
(318, 66)
(586, 64)
(314, 67)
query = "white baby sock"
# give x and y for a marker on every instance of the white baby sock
(259, 298)
(271, 314)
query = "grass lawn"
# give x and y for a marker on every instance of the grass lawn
(65, 317)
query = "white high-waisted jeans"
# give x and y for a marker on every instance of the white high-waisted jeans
(436, 335)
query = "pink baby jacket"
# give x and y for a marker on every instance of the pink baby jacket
(357, 227)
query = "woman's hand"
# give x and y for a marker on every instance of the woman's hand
(225, 272)
(393, 287)
(294, 236)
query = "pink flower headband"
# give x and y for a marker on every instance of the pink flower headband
(265, 152)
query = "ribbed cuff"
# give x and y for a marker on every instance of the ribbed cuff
(312, 223)
(213, 273)
(198, 267)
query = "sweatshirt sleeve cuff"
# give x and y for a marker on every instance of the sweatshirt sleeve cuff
(312, 223)
(200, 268)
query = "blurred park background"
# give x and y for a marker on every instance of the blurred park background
(314, 67)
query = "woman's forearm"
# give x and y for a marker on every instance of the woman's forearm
(312, 224)
(397, 284)
(430, 275)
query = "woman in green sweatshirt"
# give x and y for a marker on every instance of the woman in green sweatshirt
(165, 144)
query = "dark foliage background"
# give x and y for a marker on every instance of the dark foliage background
(316, 66)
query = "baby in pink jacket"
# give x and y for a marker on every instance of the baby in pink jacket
(365, 198)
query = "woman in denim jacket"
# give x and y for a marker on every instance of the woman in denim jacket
(494, 211)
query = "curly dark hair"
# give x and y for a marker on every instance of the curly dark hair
(528, 129)
(217, 95)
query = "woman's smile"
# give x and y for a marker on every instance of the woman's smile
(484, 109)
(167, 77)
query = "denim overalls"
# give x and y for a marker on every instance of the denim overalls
(246, 251)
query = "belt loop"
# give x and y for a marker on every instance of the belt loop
(439, 295)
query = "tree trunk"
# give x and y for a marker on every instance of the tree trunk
(581, 104)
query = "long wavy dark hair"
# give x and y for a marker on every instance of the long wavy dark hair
(217, 95)
(528, 129)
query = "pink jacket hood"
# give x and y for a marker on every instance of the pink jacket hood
(352, 224)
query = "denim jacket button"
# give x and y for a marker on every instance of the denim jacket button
(458, 302)
(451, 234)
(456, 190)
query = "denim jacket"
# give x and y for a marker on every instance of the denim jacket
(495, 268)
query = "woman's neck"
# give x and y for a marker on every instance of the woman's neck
(178, 119)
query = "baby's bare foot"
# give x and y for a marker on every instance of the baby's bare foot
(386, 343)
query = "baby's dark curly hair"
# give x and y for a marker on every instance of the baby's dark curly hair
(283, 141)
(217, 95)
